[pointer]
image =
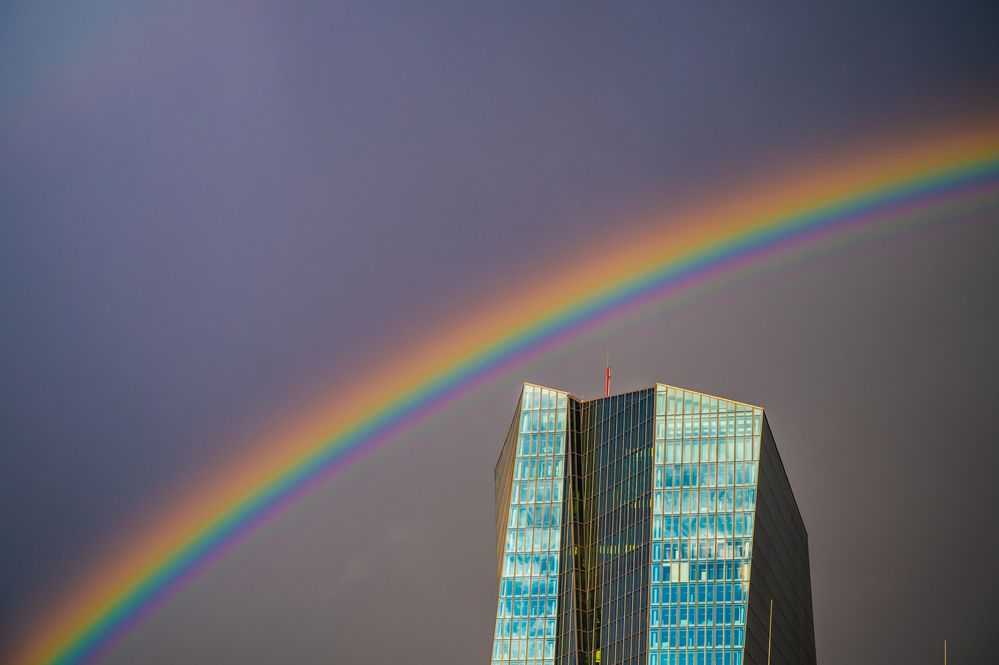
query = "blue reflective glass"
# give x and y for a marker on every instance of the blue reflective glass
(701, 537)
(525, 617)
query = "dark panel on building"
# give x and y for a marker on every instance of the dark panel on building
(574, 613)
(621, 430)
(779, 570)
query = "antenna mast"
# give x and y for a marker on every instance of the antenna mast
(770, 629)
(607, 378)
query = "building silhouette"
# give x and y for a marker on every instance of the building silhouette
(655, 527)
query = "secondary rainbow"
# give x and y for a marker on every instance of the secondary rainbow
(899, 186)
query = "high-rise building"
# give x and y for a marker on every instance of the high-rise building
(656, 527)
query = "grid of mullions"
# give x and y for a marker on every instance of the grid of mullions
(618, 524)
(527, 611)
(704, 495)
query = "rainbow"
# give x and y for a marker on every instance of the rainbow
(921, 181)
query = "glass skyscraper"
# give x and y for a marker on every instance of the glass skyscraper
(654, 527)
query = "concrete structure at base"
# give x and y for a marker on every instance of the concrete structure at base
(655, 527)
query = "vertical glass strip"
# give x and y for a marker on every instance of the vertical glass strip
(705, 471)
(527, 611)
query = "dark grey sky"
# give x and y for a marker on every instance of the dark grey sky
(207, 212)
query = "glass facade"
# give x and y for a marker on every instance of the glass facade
(620, 428)
(705, 470)
(675, 526)
(527, 611)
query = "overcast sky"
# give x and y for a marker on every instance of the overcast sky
(206, 213)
